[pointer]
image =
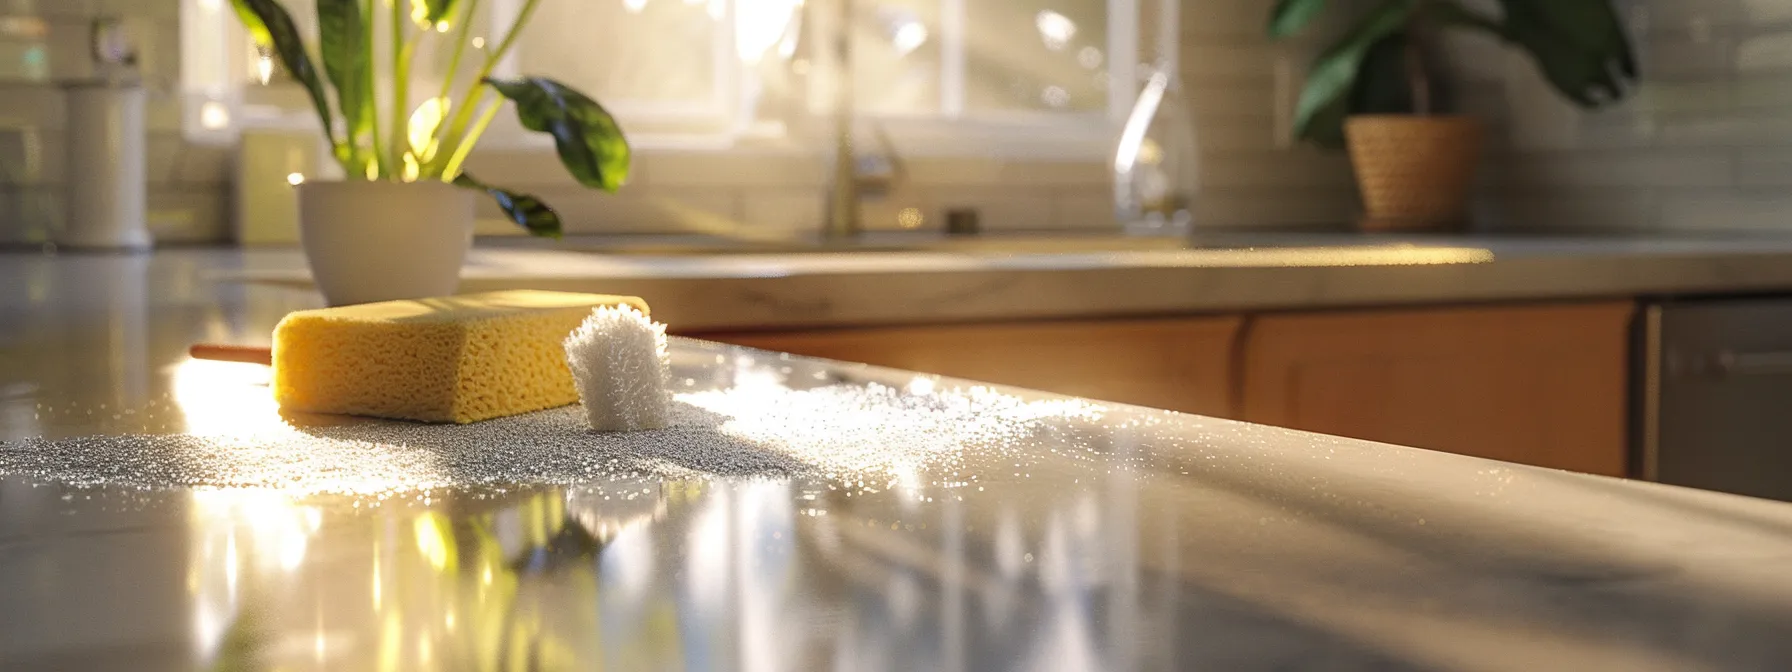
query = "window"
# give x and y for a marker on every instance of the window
(1008, 77)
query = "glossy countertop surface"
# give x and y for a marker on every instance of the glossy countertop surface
(1107, 538)
(1019, 277)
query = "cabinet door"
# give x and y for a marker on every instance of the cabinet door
(1183, 364)
(1544, 384)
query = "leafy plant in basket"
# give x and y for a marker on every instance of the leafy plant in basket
(1375, 90)
(432, 141)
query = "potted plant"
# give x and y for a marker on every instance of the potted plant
(399, 226)
(1375, 91)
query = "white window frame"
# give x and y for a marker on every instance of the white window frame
(215, 71)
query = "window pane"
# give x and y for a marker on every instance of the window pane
(1036, 55)
(661, 51)
(896, 57)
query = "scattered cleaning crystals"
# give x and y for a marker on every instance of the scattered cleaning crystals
(618, 360)
(760, 428)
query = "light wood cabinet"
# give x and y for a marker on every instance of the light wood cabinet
(1182, 364)
(1543, 385)
(1536, 384)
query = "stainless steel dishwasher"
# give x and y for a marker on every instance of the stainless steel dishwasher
(1715, 395)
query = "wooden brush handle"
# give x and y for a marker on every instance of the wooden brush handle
(248, 354)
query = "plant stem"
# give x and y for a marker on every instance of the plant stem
(457, 131)
(373, 101)
(401, 86)
(461, 151)
(1417, 78)
(460, 46)
(432, 169)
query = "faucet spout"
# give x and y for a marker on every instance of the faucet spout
(842, 216)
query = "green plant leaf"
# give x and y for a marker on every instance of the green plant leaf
(271, 27)
(1383, 84)
(590, 143)
(1381, 88)
(1335, 72)
(1581, 47)
(1290, 16)
(435, 11)
(525, 210)
(343, 44)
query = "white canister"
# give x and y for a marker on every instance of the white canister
(105, 181)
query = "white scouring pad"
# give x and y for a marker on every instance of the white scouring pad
(619, 364)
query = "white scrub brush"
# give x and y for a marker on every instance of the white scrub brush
(619, 364)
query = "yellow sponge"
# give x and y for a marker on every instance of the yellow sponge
(452, 359)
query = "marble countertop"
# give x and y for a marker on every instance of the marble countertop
(1069, 536)
(1114, 277)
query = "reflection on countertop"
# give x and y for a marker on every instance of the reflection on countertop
(708, 285)
(1129, 539)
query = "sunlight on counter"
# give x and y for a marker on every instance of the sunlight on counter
(227, 398)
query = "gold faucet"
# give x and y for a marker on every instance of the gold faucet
(849, 181)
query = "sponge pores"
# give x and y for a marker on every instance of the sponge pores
(453, 359)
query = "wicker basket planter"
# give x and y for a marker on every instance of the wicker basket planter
(1415, 172)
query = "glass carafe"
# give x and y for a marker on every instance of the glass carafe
(1155, 160)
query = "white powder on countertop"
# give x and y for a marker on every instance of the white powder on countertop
(766, 429)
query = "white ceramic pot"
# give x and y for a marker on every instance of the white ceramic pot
(382, 241)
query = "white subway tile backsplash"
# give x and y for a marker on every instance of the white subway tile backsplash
(1299, 169)
(782, 212)
(1764, 168)
(1084, 209)
(1250, 137)
(1613, 130)
(1211, 101)
(201, 164)
(1206, 62)
(1668, 58)
(1215, 20)
(934, 171)
(1727, 211)
(1685, 97)
(998, 209)
(39, 157)
(1277, 207)
(38, 105)
(1055, 173)
(1601, 170)
(1769, 52)
(81, 9)
(699, 169)
(27, 214)
(175, 215)
(1616, 209)
(1753, 93)
(896, 213)
(162, 9)
(187, 215)
(537, 168)
(962, 172)
(1763, 12)
(1751, 130)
